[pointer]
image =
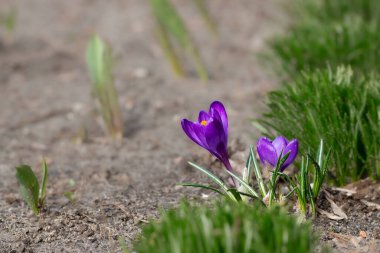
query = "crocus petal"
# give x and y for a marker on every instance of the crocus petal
(266, 151)
(218, 108)
(292, 147)
(199, 131)
(192, 131)
(211, 131)
(279, 144)
(203, 116)
(216, 139)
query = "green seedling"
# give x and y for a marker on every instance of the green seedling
(171, 28)
(70, 195)
(169, 50)
(308, 181)
(210, 22)
(8, 20)
(31, 191)
(100, 65)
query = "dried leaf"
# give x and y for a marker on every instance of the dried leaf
(348, 192)
(370, 204)
(329, 215)
(336, 209)
(345, 240)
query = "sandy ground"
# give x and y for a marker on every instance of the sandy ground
(46, 106)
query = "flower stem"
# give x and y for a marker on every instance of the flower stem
(229, 168)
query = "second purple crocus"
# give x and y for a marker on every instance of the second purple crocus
(270, 151)
(211, 131)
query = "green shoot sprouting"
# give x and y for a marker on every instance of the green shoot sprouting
(274, 178)
(210, 22)
(8, 20)
(71, 194)
(320, 168)
(31, 191)
(305, 191)
(169, 50)
(100, 65)
(170, 27)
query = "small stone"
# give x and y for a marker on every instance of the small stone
(92, 239)
(89, 233)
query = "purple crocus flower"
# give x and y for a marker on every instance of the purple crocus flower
(211, 132)
(269, 151)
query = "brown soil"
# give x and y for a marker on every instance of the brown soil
(47, 111)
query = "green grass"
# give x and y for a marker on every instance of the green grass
(314, 44)
(226, 227)
(337, 106)
(330, 10)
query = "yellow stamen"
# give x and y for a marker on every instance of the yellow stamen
(203, 122)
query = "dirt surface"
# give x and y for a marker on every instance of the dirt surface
(47, 111)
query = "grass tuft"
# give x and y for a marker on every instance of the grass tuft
(337, 106)
(314, 44)
(327, 10)
(226, 227)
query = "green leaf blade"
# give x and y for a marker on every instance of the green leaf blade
(207, 187)
(42, 193)
(214, 178)
(246, 186)
(29, 187)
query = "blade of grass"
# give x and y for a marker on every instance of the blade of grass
(246, 186)
(169, 51)
(202, 186)
(258, 174)
(214, 178)
(42, 192)
(29, 186)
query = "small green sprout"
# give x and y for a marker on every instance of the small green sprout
(210, 22)
(100, 65)
(31, 191)
(171, 28)
(305, 191)
(70, 195)
(8, 20)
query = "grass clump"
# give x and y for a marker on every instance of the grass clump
(328, 10)
(337, 106)
(226, 227)
(314, 44)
